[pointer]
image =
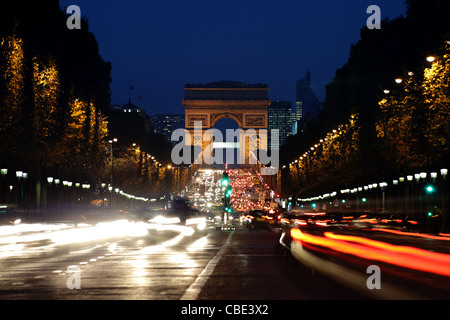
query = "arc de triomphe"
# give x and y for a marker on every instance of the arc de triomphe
(246, 104)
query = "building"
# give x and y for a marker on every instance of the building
(280, 118)
(130, 109)
(166, 124)
(246, 104)
(307, 104)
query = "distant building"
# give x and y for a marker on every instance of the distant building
(130, 108)
(307, 104)
(166, 124)
(280, 118)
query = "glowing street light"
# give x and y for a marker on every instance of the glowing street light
(431, 58)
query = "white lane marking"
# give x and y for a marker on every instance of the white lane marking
(194, 290)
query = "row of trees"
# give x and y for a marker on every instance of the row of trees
(403, 130)
(333, 159)
(141, 157)
(55, 115)
(414, 122)
(54, 93)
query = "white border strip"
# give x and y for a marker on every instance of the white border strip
(196, 288)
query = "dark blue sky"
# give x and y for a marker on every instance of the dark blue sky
(158, 46)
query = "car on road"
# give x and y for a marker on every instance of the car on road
(256, 219)
(180, 213)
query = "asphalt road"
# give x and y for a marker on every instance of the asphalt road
(130, 261)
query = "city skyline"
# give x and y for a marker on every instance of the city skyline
(158, 49)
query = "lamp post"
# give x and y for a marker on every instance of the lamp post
(49, 182)
(111, 142)
(4, 173)
(444, 198)
(21, 177)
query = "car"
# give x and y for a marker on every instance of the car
(256, 219)
(180, 213)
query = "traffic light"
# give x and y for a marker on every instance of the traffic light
(225, 179)
(228, 192)
(227, 199)
(429, 188)
(364, 199)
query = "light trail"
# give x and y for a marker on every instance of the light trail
(411, 260)
(412, 234)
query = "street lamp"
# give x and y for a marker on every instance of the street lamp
(111, 142)
(431, 58)
(21, 176)
(4, 172)
(444, 173)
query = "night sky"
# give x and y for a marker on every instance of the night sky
(159, 46)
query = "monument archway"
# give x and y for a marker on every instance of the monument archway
(246, 104)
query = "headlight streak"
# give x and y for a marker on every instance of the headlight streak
(14, 242)
(347, 276)
(407, 257)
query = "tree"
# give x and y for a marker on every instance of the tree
(414, 122)
(54, 94)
